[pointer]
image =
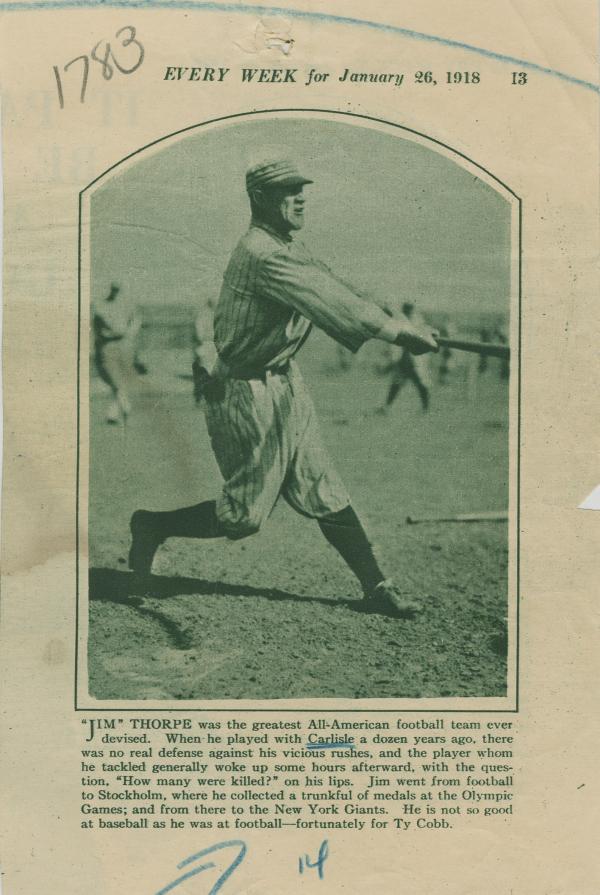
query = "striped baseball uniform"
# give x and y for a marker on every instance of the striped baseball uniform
(260, 419)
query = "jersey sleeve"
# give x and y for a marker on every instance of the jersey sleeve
(313, 291)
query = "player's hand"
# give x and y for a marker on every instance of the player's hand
(418, 339)
(206, 386)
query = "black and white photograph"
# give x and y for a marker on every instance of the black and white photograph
(302, 458)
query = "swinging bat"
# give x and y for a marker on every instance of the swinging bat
(489, 348)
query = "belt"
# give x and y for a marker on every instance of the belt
(261, 373)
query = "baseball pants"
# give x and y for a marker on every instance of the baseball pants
(267, 443)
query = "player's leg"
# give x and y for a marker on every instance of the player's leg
(125, 381)
(397, 382)
(314, 489)
(250, 435)
(344, 531)
(113, 413)
(115, 363)
(394, 390)
(423, 394)
(151, 529)
(247, 447)
(421, 378)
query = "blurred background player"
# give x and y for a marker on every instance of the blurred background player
(500, 335)
(116, 324)
(205, 353)
(484, 361)
(446, 354)
(407, 367)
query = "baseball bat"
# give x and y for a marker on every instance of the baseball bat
(461, 517)
(489, 348)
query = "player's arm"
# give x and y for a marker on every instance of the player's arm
(313, 292)
(415, 337)
(386, 306)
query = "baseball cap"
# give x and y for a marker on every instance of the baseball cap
(275, 172)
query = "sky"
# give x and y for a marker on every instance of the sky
(391, 215)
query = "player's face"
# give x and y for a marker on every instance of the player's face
(291, 207)
(283, 207)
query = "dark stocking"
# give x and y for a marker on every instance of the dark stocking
(344, 531)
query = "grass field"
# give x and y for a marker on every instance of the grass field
(275, 616)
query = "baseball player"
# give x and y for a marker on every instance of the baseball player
(408, 367)
(115, 326)
(446, 356)
(260, 417)
(500, 336)
(204, 347)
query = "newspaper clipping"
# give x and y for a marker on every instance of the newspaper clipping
(300, 448)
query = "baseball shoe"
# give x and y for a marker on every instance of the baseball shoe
(113, 416)
(145, 541)
(124, 405)
(388, 599)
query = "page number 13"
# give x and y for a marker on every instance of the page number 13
(106, 58)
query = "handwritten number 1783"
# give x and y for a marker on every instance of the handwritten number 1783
(107, 59)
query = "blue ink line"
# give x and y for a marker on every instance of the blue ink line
(295, 14)
(184, 876)
(330, 746)
(206, 851)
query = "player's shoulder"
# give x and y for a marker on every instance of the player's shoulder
(260, 243)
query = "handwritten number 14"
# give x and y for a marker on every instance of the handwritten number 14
(319, 863)
(106, 59)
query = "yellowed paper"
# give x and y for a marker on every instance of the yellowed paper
(401, 706)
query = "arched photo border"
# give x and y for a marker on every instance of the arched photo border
(325, 705)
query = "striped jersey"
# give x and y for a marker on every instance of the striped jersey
(273, 291)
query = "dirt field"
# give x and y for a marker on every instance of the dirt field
(276, 616)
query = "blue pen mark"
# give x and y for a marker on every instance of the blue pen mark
(330, 746)
(12, 6)
(319, 863)
(232, 843)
